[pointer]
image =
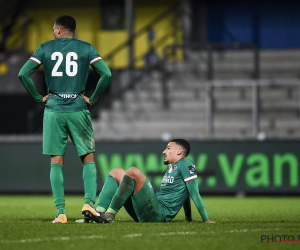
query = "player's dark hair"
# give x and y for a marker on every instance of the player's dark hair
(184, 144)
(67, 22)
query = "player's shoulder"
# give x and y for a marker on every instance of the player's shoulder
(82, 42)
(187, 166)
(45, 44)
(49, 44)
(64, 39)
(185, 162)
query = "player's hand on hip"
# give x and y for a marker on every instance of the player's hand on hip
(86, 99)
(210, 222)
(45, 98)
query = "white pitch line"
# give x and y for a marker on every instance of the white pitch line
(50, 239)
(251, 230)
(175, 233)
(92, 237)
(131, 235)
(160, 234)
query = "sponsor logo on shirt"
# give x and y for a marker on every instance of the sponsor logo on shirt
(175, 167)
(68, 96)
(192, 169)
(167, 179)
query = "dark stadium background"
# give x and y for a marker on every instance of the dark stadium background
(222, 74)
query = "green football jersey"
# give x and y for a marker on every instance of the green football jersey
(173, 191)
(66, 64)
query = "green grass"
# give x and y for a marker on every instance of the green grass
(25, 224)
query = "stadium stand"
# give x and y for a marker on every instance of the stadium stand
(140, 113)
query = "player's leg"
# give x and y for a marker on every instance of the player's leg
(57, 186)
(132, 183)
(89, 177)
(146, 204)
(55, 141)
(81, 133)
(109, 189)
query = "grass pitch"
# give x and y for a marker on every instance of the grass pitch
(242, 223)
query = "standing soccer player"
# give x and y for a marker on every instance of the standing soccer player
(66, 62)
(134, 191)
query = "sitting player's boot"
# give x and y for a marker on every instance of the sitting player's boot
(62, 219)
(108, 217)
(90, 213)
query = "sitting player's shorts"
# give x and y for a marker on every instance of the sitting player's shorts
(146, 205)
(58, 126)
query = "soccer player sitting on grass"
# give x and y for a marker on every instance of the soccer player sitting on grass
(133, 190)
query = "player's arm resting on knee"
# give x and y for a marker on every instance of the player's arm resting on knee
(24, 75)
(187, 209)
(105, 76)
(196, 197)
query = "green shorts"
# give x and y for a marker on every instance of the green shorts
(146, 205)
(58, 126)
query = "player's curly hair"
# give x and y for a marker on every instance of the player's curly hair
(67, 22)
(184, 144)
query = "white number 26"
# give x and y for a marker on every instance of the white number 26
(71, 65)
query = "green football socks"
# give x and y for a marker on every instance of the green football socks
(109, 189)
(123, 193)
(57, 185)
(89, 177)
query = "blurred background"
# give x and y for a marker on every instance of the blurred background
(222, 74)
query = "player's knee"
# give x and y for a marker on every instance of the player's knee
(133, 172)
(57, 159)
(87, 158)
(117, 173)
